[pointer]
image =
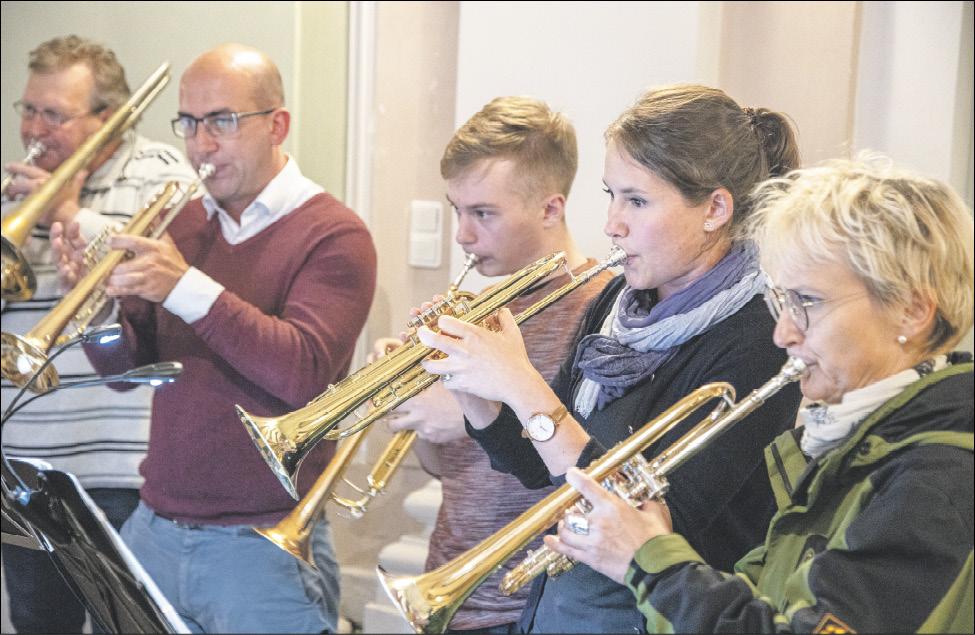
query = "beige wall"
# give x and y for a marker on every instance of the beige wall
(416, 68)
(414, 83)
(915, 89)
(798, 58)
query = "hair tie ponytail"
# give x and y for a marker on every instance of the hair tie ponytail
(754, 116)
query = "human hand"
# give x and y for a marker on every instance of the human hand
(27, 179)
(68, 253)
(382, 347)
(151, 273)
(616, 530)
(434, 414)
(66, 204)
(489, 364)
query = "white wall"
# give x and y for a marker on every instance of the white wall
(914, 90)
(909, 83)
(588, 59)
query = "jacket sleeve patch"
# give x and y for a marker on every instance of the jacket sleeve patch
(832, 624)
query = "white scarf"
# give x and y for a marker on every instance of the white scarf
(825, 426)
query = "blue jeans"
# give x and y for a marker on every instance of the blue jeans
(40, 600)
(232, 580)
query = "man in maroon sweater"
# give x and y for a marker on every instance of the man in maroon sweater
(260, 294)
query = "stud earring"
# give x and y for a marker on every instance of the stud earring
(902, 339)
(708, 226)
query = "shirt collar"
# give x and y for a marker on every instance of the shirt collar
(275, 195)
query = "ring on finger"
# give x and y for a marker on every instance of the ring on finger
(446, 377)
(577, 524)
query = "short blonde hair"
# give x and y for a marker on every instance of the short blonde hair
(111, 89)
(525, 130)
(900, 233)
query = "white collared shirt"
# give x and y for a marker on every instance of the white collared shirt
(193, 296)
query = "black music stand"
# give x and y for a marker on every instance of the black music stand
(61, 518)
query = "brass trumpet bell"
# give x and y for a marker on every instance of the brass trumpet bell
(389, 381)
(293, 532)
(22, 357)
(18, 279)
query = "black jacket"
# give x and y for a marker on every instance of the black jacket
(720, 500)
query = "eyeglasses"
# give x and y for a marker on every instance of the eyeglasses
(218, 124)
(782, 300)
(51, 118)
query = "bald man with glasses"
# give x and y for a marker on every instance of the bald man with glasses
(73, 86)
(261, 293)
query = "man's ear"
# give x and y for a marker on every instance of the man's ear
(280, 125)
(553, 209)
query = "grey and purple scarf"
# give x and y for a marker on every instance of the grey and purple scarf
(639, 335)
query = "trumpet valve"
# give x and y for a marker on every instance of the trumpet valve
(454, 306)
(535, 562)
(560, 563)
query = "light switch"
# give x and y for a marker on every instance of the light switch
(426, 234)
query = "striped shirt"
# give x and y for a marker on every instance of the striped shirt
(95, 433)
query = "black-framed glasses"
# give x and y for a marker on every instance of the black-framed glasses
(218, 124)
(51, 118)
(780, 301)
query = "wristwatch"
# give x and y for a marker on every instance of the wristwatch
(541, 425)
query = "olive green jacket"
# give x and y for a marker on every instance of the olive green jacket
(874, 536)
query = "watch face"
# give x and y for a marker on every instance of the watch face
(541, 427)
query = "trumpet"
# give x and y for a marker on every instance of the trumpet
(429, 601)
(18, 281)
(293, 532)
(285, 440)
(22, 357)
(34, 149)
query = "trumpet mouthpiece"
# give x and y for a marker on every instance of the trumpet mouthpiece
(616, 257)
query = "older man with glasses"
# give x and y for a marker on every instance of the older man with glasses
(74, 85)
(260, 294)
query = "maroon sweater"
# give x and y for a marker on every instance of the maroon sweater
(296, 297)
